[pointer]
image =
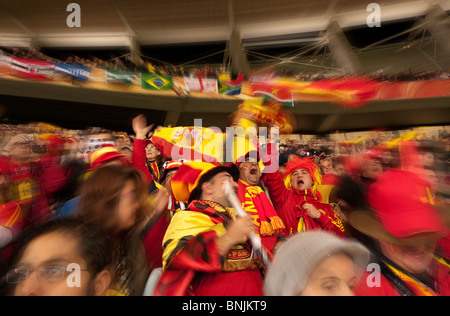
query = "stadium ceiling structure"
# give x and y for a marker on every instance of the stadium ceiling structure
(117, 22)
(318, 36)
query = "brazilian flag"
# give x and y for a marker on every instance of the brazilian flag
(152, 81)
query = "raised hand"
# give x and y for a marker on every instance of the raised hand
(140, 127)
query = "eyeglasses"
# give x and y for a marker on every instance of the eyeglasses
(151, 147)
(49, 273)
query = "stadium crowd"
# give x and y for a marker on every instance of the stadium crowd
(98, 212)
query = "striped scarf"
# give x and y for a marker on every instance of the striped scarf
(417, 287)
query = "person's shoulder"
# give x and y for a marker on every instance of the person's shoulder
(374, 283)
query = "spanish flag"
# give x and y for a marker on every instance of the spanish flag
(194, 143)
(353, 92)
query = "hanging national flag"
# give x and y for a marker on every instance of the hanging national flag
(229, 87)
(347, 92)
(77, 71)
(200, 84)
(32, 69)
(273, 91)
(5, 63)
(153, 81)
(122, 77)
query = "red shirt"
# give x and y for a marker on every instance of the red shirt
(288, 204)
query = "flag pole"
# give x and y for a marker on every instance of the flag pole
(255, 240)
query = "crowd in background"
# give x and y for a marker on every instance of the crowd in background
(125, 62)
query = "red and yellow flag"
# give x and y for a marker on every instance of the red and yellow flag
(353, 92)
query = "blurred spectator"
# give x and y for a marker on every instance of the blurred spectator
(297, 199)
(210, 255)
(316, 263)
(33, 182)
(62, 258)
(11, 220)
(255, 202)
(115, 198)
(326, 166)
(127, 152)
(338, 166)
(153, 239)
(329, 180)
(402, 234)
(146, 156)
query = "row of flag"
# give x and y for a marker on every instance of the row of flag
(42, 70)
(347, 92)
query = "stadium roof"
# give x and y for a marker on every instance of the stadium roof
(113, 22)
(268, 29)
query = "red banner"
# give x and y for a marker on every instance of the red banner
(32, 69)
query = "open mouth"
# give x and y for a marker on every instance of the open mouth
(254, 172)
(300, 182)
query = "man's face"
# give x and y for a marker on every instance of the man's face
(168, 180)
(339, 170)
(432, 179)
(372, 169)
(301, 180)
(326, 166)
(386, 156)
(20, 151)
(213, 189)
(414, 259)
(44, 258)
(249, 171)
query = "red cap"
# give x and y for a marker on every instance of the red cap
(104, 155)
(401, 201)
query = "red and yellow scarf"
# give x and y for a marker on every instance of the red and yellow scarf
(256, 204)
(414, 285)
(155, 170)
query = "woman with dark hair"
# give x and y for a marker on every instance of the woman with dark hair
(116, 198)
(146, 156)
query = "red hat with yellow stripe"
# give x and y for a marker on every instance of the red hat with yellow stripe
(169, 166)
(104, 155)
(186, 183)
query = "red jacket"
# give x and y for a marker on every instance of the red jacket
(288, 204)
(34, 186)
(139, 159)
